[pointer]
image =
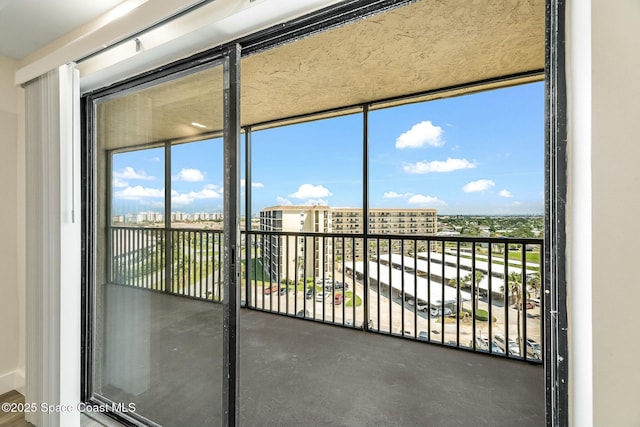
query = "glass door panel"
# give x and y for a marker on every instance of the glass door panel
(158, 324)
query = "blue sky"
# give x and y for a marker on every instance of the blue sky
(475, 154)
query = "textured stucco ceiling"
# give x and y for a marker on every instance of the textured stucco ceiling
(163, 112)
(423, 46)
(426, 45)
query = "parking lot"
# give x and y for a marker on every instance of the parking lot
(392, 315)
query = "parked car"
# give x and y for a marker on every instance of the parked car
(529, 305)
(272, 288)
(437, 311)
(323, 297)
(337, 299)
(283, 290)
(349, 322)
(422, 306)
(422, 335)
(482, 343)
(303, 313)
(534, 350)
(513, 348)
(309, 293)
(327, 283)
(495, 348)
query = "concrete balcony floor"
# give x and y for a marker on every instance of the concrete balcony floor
(296, 372)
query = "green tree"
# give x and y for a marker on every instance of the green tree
(534, 283)
(478, 279)
(514, 285)
(466, 281)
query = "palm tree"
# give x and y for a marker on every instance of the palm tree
(514, 283)
(466, 283)
(534, 284)
(478, 279)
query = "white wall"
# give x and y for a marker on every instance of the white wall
(11, 230)
(616, 204)
(603, 202)
(603, 205)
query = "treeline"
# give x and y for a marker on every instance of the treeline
(495, 226)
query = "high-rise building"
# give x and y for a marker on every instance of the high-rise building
(305, 255)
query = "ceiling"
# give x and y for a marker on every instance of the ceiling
(28, 25)
(424, 46)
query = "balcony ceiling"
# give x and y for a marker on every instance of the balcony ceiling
(424, 46)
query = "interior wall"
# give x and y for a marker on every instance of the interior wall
(616, 198)
(11, 229)
(579, 219)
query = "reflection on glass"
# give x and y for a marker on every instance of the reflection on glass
(196, 185)
(154, 348)
(137, 188)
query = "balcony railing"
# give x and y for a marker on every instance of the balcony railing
(478, 294)
(193, 264)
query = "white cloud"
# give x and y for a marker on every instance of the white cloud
(178, 200)
(505, 193)
(394, 195)
(210, 191)
(419, 199)
(478, 186)
(310, 191)
(130, 173)
(138, 192)
(152, 203)
(421, 134)
(317, 202)
(283, 201)
(254, 184)
(416, 199)
(119, 183)
(448, 165)
(189, 175)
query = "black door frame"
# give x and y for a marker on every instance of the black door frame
(555, 317)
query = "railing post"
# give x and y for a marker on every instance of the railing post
(365, 218)
(168, 237)
(247, 216)
(231, 298)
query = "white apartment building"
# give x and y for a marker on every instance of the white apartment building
(311, 256)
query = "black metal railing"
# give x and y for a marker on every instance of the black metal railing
(178, 261)
(479, 294)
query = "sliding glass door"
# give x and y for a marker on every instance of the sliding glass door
(161, 256)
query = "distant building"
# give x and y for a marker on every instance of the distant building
(311, 256)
